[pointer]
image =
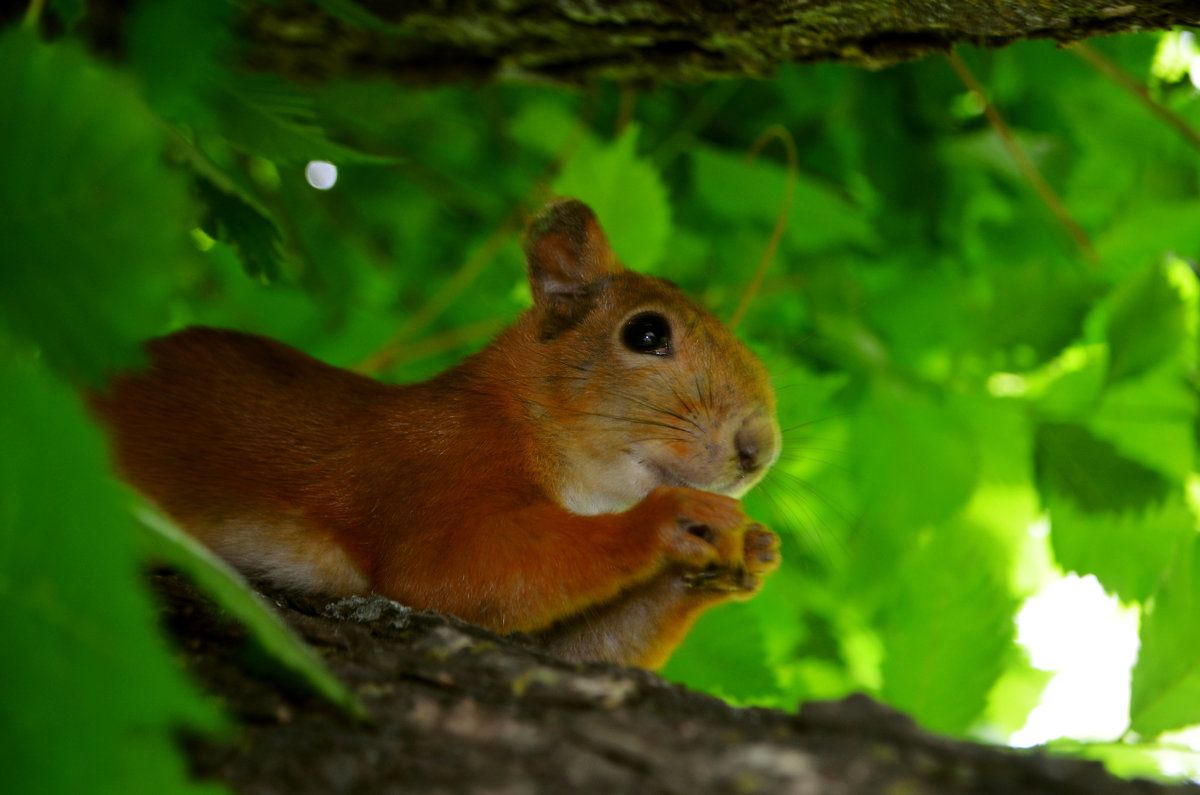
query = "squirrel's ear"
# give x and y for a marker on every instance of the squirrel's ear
(567, 255)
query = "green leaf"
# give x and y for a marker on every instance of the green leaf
(916, 462)
(1069, 386)
(92, 698)
(544, 125)
(1126, 551)
(1174, 56)
(176, 46)
(1031, 303)
(1016, 693)
(948, 630)
(1073, 463)
(1149, 318)
(1129, 242)
(170, 545)
(1165, 689)
(627, 195)
(93, 220)
(241, 223)
(70, 12)
(724, 653)
(1149, 420)
(266, 116)
(820, 217)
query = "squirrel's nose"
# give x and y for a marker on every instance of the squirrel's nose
(756, 443)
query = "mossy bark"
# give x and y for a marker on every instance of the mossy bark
(643, 42)
(454, 708)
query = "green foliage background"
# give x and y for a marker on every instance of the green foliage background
(950, 368)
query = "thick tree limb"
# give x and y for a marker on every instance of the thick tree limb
(456, 709)
(643, 41)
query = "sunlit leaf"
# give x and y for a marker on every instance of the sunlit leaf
(1166, 678)
(1175, 52)
(1148, 321)
(1015, 694)
(1126, 551)
(627, 195)
(916, 461)
(1149, 419)
(948, 629)
(727, 656)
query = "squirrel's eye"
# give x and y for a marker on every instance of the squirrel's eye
(647, 332)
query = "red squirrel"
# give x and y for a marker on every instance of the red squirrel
(575, 480)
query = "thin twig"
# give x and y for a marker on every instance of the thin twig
(33, 13)
(388, 354)
(1028, 169)
(1114, 73)
(625, 109)
(447, 341)
(785, 137)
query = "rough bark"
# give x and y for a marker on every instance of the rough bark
(642, 41)
(456, 709)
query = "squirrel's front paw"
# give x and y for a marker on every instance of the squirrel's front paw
(741, 578)
(718, 546)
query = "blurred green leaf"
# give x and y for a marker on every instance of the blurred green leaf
(727, 657)
(71, 12)
(1173, 56)
(84, 179)
(1015, 694)
(1127, 551)
(1166, 678)
(175, 47)
(915, 460)
(1071, 385)
(820, 217)
(1148, 320)
(627, 195)
(168, 544)
(948, 629)
(90, 691)
(1149, 418)
(544, 124)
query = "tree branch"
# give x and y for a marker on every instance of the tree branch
(457, 709)
(574, 42)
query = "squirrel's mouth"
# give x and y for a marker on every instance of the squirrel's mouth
(735, 486)
(665, 476)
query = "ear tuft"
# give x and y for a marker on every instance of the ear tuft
(568, 256)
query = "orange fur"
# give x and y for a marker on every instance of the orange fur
(559, 482)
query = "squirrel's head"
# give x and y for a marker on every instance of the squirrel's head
(632, 384)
